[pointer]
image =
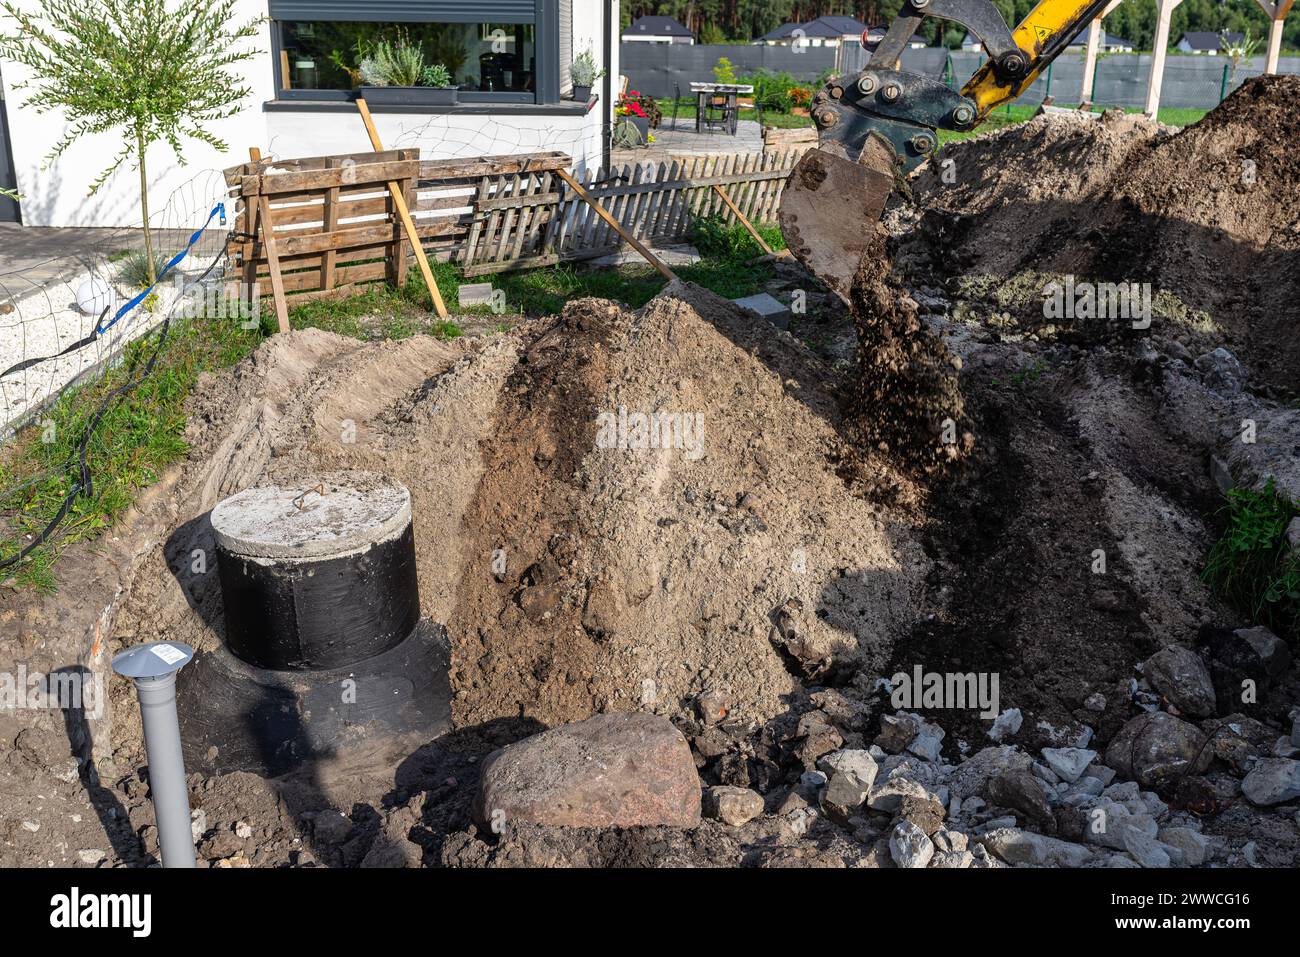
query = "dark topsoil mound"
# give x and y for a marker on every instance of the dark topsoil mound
(1210, 213)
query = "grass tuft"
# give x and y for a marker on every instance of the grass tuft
(1252, 567)
(133, 268)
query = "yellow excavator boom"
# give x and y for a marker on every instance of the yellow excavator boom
(1040, 37)
(882, 121)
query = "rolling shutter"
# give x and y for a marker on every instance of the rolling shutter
(566, 46)
(407, 11)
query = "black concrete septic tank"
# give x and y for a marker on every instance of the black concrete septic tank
(324, 650)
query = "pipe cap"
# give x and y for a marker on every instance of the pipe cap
(157, 659)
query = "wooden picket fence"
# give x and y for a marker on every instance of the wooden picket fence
(335, 230)
(655, 202)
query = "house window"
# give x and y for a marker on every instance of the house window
(494, 50)
(485, 58)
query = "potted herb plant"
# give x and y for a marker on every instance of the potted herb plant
(395, 73)
(584, 73)
(438, 88)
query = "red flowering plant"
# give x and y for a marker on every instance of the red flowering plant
(642, 105)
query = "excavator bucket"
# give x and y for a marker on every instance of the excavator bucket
(830, 207)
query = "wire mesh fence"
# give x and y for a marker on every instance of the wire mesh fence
(78, 332)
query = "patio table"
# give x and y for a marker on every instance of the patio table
(705, 91)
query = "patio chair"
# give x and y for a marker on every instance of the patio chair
(720, 113)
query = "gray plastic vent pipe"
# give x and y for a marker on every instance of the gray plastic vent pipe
(153, 668)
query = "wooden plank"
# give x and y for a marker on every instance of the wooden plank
(749, 191)
(636, 243)
(602, 235)
(345, 276)
(355, 191)
(234, 174)
(558, 234)
(492, 227)
(764, 191)
(399, 198)
(272, 255)
(681, 220)
(492, 165)
(660, 225)
(527, 215)
(329, 224)
(517, 202)
(338, 292)
(633, 207)
(401, 246)
(583, 228)
(313, 213)
(297, 244)
(643, 209)
(515, 185)
(592, 223)
(758, 200)
(305, 241)
(639, 204)
(615, 204)
(699, 181)
(476, 229)
(359, 174)
(720, 208)
(545, 214)
(787, 165)
(697, 193)
(246, 248)
(315, 262)
(653, 207)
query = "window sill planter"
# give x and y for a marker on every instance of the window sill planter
(581, 93)
(410, 95)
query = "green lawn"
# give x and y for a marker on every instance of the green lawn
(137, 438)
(686, 113)
(1003, 116)
(1017, 113)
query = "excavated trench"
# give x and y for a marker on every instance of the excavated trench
(620, 510)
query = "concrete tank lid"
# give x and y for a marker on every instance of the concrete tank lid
(321, 517)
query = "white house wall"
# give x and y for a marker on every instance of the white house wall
(182, 194)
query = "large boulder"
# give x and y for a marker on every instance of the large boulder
(1180, 675)
(613, 770)
(1157, 749)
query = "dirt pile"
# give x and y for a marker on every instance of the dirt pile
(904, 398)
(725, 555)
(1210, 214)
(613, 510)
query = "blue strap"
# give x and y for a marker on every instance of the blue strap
(218, 210)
